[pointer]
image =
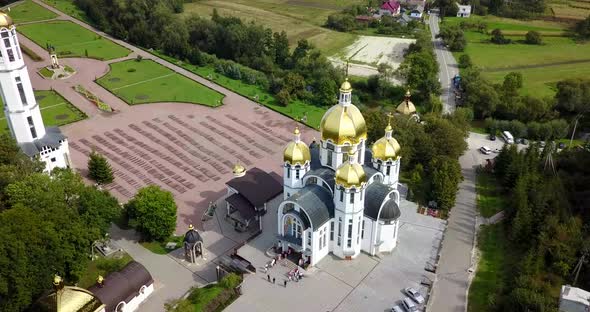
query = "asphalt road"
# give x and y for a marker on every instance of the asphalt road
(447, 66)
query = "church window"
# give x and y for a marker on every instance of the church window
(341, 195)
(297, 174)
(325, 237)
(7, 42)
(349, 242)
(344, 157)
(321, 238)
(4, 34)
(10, 55)
(21, 90)
(288, 172)
(292, 227)
(388, 170)
(361, 195)
(358, 234)
(352, 197)
(32, 127)
(394, 229)
(339, 231)
(332, 231)
(329, 162)
(363, 230)
(309, 238)
(53, 159)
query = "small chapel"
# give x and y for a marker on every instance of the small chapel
(340, 196)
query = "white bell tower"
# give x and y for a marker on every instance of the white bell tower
(20, 107)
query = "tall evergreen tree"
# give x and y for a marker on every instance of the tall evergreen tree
(99, 169)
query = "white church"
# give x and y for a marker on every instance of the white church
(20, 107)
(339, 196)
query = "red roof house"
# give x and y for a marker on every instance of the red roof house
(390, 7)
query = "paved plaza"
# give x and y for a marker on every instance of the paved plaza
(363, 284)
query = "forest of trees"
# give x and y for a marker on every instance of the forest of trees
(546, 223)
(48, 224)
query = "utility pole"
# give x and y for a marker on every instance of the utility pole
(578, 267)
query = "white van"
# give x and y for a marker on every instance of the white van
(508, 138)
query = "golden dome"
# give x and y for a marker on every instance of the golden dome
(239, 170)
(5, 20)
(296, 153)
(350, 173)
(386, 149)
(343, 124)
(69, 299)
(406, 107)
(346, 87)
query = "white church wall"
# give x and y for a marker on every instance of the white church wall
(134, 303)
(55, 158)
(366, 235)
(320, 243)
(388, 237)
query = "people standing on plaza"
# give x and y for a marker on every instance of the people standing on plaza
(273, 280)
(285, 283)
(268, 276)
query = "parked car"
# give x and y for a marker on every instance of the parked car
(525, 142)
(414, 294)
(485, 150)
(409, 305)
(561, 145)
(542, 144)
(492, 137)
(518, 140)
(396, 308)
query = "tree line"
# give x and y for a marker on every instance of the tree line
(544, 223)
(48, 225)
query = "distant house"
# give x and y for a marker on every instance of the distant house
(390, 7)
(364, 18)
(574, 299)
(464, 10)
(404, 19)
(417, 12)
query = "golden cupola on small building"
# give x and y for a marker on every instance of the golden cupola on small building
(351, 173)
(343, 122)
(386, 148)
(406, 107)
(5, 20)
(297, 161)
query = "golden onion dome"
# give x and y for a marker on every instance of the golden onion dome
(346, 86)
(406, 107)
(296, 153)
(239, 170)
(343, 124)
(69, 299)
(386, 149)
(5, 20)
(350, 173)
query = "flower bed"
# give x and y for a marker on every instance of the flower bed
(94, 99)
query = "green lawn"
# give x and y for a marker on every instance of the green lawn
(148, 82)
(29, 11)
(160, 247)
(71, 40)
(539, 64)
(489, 195)
(103, 266)
(296, 109)
(68, 7)
(491, 275)
(55, 110)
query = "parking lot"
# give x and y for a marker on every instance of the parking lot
(363, 284)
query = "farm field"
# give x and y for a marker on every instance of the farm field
(68, 7)
(28, 11)
(55, 110)
(569, 9)
(542, 66)
(301, 19)
(71, 40)
(148, 82)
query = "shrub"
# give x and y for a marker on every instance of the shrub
(465, 61)
(533, 37)
(498, 37)
(131, 70)
(139, 58)
(153, 213)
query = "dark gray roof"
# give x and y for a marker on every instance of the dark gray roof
(375, 194)
(370, 171)
(192, 236)
(317, 202)
(314, 151)
(327, 174)
(122, 285)
(51, 138)
(368, 157)
(245, 208)
(257, 186)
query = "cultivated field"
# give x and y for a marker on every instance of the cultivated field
(28, 11)
(149, 82)
(301, 19)
(542, 66)
(71, 40)
(55, 110)
(569, 9)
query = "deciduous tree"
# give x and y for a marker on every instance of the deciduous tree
(152, 212)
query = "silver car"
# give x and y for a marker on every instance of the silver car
(396, 308)
(409, 305)
(414, 294)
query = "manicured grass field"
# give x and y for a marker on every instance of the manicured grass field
(542, 66)
(29, 11)
(490, 277)
(489, 195)
(71, 40)
(55, 110)
(148, 82)
(68, 7)
(301, 19)
(295, 109)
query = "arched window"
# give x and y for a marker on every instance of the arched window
(293, 227)
(120, 307)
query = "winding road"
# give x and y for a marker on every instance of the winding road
(447, 66)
